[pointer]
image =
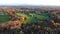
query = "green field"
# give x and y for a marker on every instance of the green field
(29, 18)
(40, 16)
(3, 17)
(32, 17)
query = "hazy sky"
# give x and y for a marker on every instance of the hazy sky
(30, 2)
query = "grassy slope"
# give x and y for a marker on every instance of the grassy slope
(31, 19)
(41, 16)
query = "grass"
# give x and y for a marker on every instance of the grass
(3, 17)
(32, 19)
(29, 19)
(41, 16)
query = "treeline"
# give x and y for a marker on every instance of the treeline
(31, 28)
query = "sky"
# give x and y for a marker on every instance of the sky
(30, 2)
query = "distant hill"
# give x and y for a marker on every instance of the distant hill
(40, 7)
